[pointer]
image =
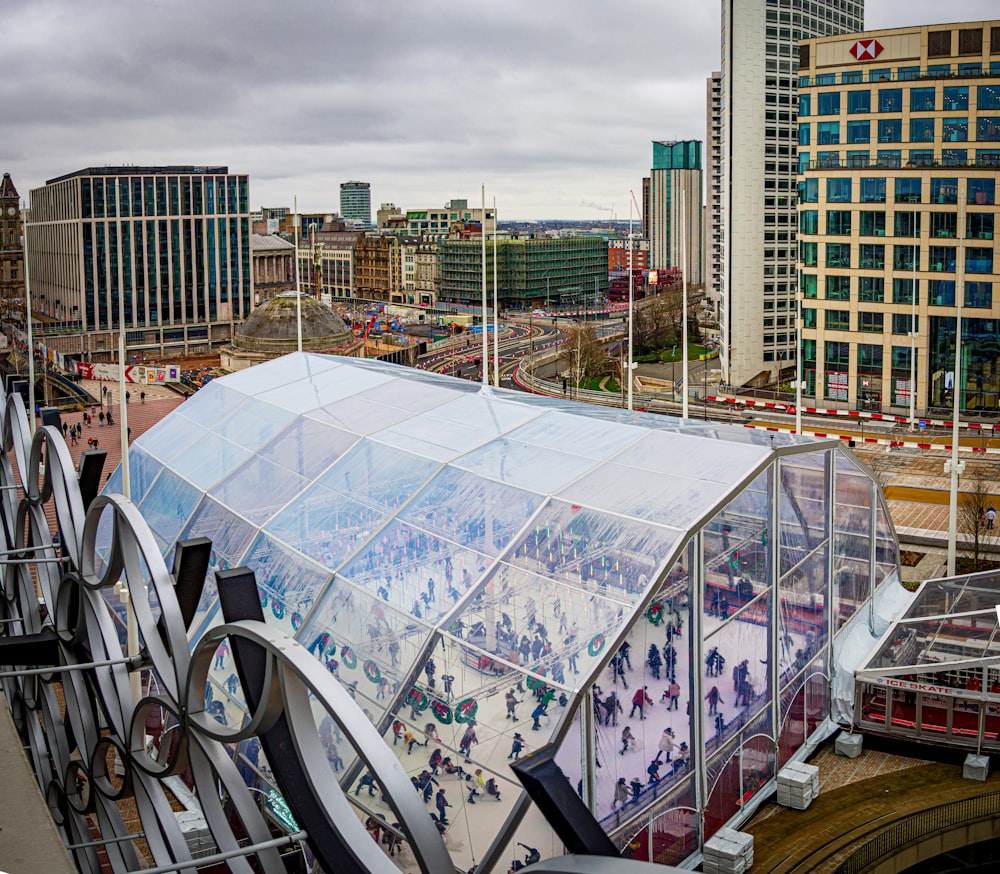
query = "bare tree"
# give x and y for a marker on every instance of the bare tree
(975, 519)
(584, 354)
(658, 322)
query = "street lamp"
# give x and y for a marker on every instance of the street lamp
(673, 374)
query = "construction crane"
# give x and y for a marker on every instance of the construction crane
(638, 209)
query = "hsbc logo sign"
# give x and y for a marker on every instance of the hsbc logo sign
(866, 49)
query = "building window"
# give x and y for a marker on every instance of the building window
(870, 323)
(903, 257)
(901, 323)
(805, 104)
(954, 157)
(921, 157)
(970, 69)
(872, 256)
(944, 189)
(838, 320)
(995, 40)
(827, 159)
(908, 74)
(941, 259)
(890, 130)
(804, 134)
(803, 56)
(872, 224)
(873, 189)
(979, 294)
(936, 71)
(838, 287)
(907, 189)
(807, 284)
(978, 260)
(955, 130)
(850, 77)
(836, 356)
(838, 222)
(808, 317)
(808, 254)
(979, 226)
(988, 129)
(838, 255)
(827, 133)
(981, 191)
(890, 100)
(970, 41)
(890, 158)
(809, 190)
(859, 131)
(803, 162)
(939, 44)
(902, 291)
(921, 130)
(922, 99)
(838, 190)
(871, 289)
(859, 102)
(956, 98)
(988, 157)
(941, 293)
(826, 79)
(944, 224)
(828, 103)
(809, 221)
(883, 75)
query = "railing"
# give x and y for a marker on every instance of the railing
(944, 817)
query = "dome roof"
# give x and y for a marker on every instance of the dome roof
(273, 326)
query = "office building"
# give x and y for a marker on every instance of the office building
(11, 253)
(758, 100)
(899, 134)
(675, 213)
(273, 259)
(163, 252)
(621, 256)
(713, 190)
(356, 203)
(453, 217)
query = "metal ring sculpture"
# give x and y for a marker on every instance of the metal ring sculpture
(72, 746)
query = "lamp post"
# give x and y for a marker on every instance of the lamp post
(913, 326)
(673, 373)
(953, 467)
(631, 296)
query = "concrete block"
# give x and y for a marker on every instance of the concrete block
(849, 745)
(976, 767)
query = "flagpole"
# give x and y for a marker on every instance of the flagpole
(496, 308)
(684, 304)
(298, 286)
(31, 343)
(486, 347)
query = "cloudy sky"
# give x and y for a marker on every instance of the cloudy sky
(551, 103)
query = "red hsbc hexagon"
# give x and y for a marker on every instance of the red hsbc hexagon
(865, 49)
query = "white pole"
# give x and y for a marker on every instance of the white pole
(798, 359)
(123, 415)
(956, 389)
(31, 342)
(296, 221)
(631, 292)
(486, 339)
(913, 327)
(684, 305)
(496, 308)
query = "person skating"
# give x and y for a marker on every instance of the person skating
(639, 701)
(512, 703)
(666, 744)
(516, 746)
(628, 739)
(441, 803)
(621, 793)
(714, 699)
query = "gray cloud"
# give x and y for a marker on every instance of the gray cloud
(552, 104)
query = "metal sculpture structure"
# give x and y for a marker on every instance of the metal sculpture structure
(89, 750)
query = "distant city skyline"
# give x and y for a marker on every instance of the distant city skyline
(558, 125)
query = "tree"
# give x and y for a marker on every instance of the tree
(584, 355)
(973, 522)
(657, 322)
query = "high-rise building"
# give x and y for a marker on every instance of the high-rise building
(759, 102)
(713, 190)
(356, 203)
(163, 252)
(899, 134)
(11, 253)
(676, 169)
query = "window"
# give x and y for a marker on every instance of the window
(838, 320)
(941, 293)
(890, 100)
(995, 40)
(859, 131)
(981, 191)
(880, 75)
(805, 104)
(979, 294)
(808, 317)
(907, 190)
(827, 133)
(979, 226)
(870, 323)
(988, 157)
(872, 256)
(838, 255)
(970, 69)
(872, 224)
(890, 158)
(826, 79)
(804, 134)
(803, 81)
(938, 43)
(828, 103)
(921, 130)
(956, 98)
(987, 129)
(907, 224)
(873, 189)
(922, 99)
(809, 190)
(807, 284)
(944, 224)
(809, 221)
(901, 324)
(908, 74)
(954, 157)
(859, 102)
(938, 70)
(836, 355)
(869, 358)
(890, 130)
(838, 190)
(808, 254)
(920, 157)
(850, 77)
(827, 159)
(838, 287)
(978, 260)
(970, 41)
(942, 259)
(803, 162)
(858, 159)
(954, 130)
(804, 56)
(944, 189)
(902, 257)
(902, 291)
(871, 289)
(838, 222)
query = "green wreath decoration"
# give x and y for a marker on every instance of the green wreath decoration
(442, 712)
(655, 612)
(372, 672)
(296, 620)
(596, 644)
(349, 657)
(417, 700)
(466, 710)
(277, 608)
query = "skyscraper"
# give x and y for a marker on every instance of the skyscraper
(713, 190)
(759, 163)
(676, 168)
(356, 203)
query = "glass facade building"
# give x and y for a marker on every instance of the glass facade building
(465, 559)
(897, 205)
